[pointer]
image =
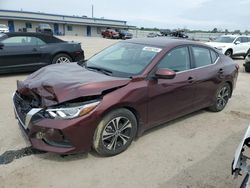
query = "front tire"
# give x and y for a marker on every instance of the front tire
(221, 98)
(115, 132)
(61, 58)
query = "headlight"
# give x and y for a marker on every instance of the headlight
(72, 112)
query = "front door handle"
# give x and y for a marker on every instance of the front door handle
(221, 71)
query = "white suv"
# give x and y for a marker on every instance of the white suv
(4, 28)
(232, 45)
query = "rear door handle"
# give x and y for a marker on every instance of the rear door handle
(190, 79)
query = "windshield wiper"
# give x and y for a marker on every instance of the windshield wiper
(102, 70)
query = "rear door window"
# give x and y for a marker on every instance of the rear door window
(202, 56)
(176, 60)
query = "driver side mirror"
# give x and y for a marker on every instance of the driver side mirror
(165, 74)
(237, 42)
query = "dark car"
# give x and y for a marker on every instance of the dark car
(111, 34)
(247, 63)
(124, 34)
(45, 29)
(22, 52)
(120, 92)
(178, 34)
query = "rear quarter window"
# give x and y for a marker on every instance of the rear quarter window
(202, 56)
(214, 56)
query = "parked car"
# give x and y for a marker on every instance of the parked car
(4, 28)
(240, 163)
(124, 34)
(120, 92)
(45, 29)
(232, 45)
(110, 33)
(178, 34)
(152, 35)
(21, 52)
(247, 63)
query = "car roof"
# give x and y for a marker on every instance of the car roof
(45, 37)
(164, 42)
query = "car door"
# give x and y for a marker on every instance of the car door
(19, 52)
(172, 98)
(209, 74)
(240, 46)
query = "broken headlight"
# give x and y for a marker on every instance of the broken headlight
(72, 112)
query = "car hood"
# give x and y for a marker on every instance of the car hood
(217, 44)
(58, 83)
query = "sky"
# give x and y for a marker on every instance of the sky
(167, 14)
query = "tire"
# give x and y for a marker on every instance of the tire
(61, 58)
(245, 182)
(221, 98)
(248, 52)
(247, 69)
(229, 53)
(108, 139)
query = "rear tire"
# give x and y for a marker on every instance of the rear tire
(115, 132)
(247, 69)
(61, 58)
(221, 98)
(229, 53)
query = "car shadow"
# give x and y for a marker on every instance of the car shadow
(80, 156)
(172, 122)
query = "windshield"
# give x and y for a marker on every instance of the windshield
(225, 39)
(123, 59)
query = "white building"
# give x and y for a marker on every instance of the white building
(61, 24)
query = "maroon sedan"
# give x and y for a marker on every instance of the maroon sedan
(119, 93)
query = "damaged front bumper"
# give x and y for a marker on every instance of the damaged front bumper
(55, 135)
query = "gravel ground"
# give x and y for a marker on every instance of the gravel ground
(193, 151)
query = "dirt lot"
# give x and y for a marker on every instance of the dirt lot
(193, 151)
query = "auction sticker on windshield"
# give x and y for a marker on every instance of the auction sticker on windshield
(152, 49)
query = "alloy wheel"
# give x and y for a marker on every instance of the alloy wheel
(117, 133)
(62, 60)
(223, 97)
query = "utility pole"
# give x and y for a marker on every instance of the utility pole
(92, 11)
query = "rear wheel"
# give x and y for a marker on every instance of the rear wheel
(115, 132)
(61, 58)
(221, 98)
(247, 69)
(229, 53)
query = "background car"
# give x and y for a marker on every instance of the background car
(120, 92)
(247, 63)
(152, 35)
(110, 33)
(4, 28)
(31, 51)
(124, 34)
(178, 34)
(232, 45)
(45, 29)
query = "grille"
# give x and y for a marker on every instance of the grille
(22, 107)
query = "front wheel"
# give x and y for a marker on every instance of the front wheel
(221, 98)
(115, 132)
